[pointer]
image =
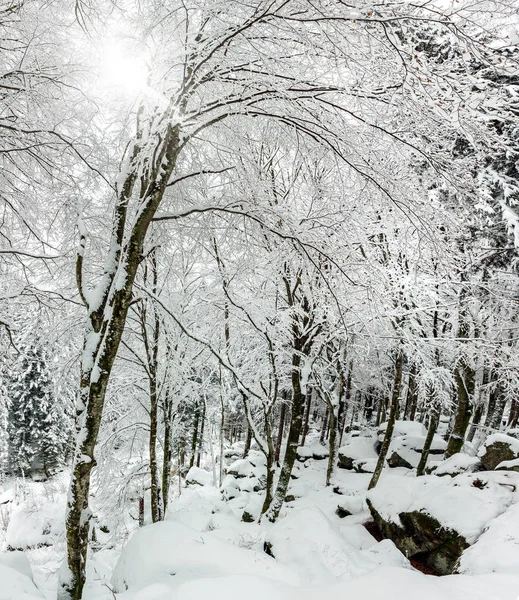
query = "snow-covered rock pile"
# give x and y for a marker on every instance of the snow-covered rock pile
(197, 476)
(245, 475)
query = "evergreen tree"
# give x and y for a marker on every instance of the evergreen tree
(35, 443)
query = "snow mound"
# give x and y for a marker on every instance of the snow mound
(18, 561)
(198, 508)
(30, 527)
(197, 476)
(497, 548)
(171, 553)
(411, 428)
(309, 543)
(14, 585)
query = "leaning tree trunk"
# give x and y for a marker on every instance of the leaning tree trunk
(296, 424)
(434, 419)
(393, 411)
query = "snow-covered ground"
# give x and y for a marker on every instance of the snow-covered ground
(203, 549)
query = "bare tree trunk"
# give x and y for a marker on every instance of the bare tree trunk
(141, 511)
(194, 439)
(168, 450)
(248, 442)
(476, 420)
(201, 437)
(464, 376)
(397, 383)
(499, 408)
(433, 426)
(514, 414)
(307, 416)
(296, 424)
(411, 400)
(279, 440)
(324, 426)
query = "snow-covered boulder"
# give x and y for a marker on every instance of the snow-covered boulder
(356, 448)
(497, 448)
(245, 475)
(170, 553)
(406, 450)
(365, 465)
(456, 464)
(440, 517)
(196, 476)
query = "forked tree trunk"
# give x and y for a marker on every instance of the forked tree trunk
(393, 411)
(294, 432)
(107, 317)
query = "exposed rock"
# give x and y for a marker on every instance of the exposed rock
(420, 533)
(498, 448)
(247, 517)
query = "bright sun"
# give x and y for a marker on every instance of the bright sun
(121, 69)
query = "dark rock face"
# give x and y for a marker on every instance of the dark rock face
(498, 451)
(395, 460)
(420, 534)
(345, 462)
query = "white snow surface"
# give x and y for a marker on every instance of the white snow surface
(172, 552)
(203, 549)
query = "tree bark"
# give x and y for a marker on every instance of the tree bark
(393, 411)
(434, 419)
(464, 376)
(279, 440)
(307, 416)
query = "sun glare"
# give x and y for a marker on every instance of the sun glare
(122, 69)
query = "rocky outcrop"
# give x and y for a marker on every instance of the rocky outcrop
(421, 534)
(498, 448)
